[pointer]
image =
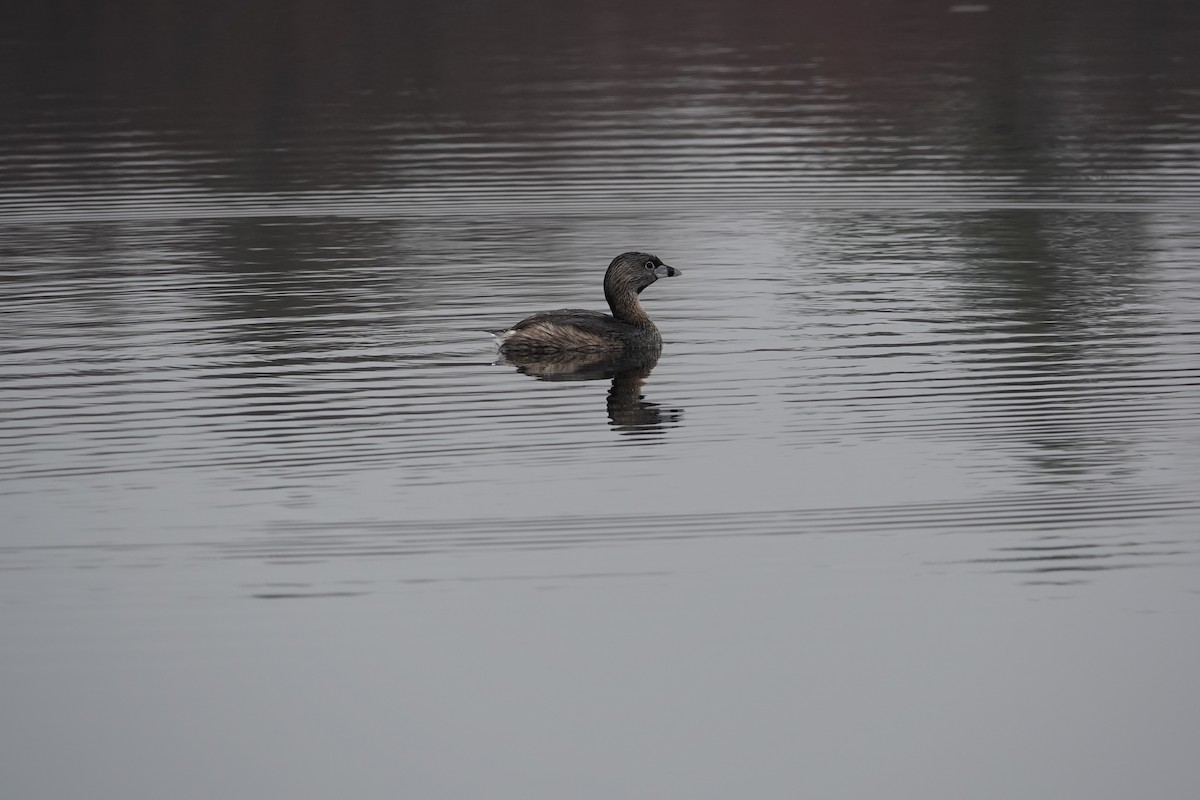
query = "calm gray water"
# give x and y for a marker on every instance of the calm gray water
(906, 508)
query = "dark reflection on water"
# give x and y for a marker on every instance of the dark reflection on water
(628, 410)
(1068, 294)
(412, 110)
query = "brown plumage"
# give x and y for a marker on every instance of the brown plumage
(629, 329)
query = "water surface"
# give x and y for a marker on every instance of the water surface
(906, 506)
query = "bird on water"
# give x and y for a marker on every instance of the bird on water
(627, 330)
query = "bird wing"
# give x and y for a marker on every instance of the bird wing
(586, 321)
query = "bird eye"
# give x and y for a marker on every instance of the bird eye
(649, 265)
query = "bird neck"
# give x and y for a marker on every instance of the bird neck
(625, 306)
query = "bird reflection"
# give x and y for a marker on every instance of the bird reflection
(628, 410)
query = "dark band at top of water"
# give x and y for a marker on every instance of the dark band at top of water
(415, 109)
